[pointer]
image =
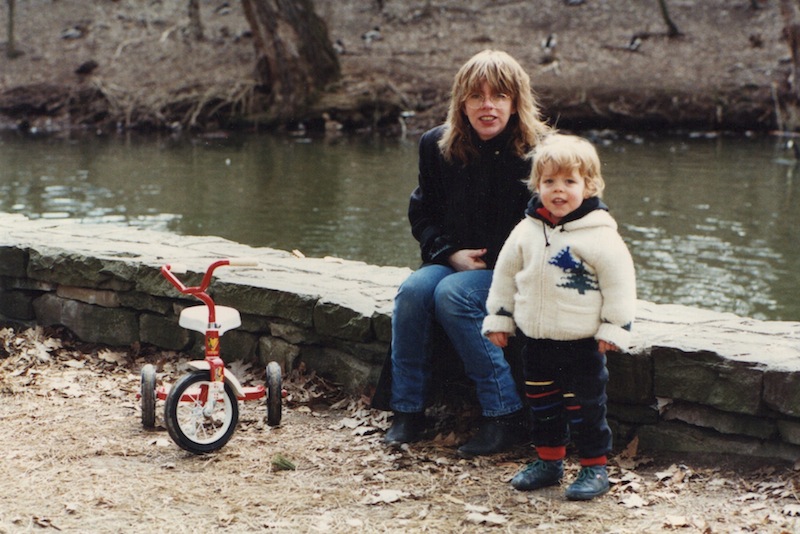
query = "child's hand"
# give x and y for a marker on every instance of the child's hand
(605, 346)
(498, 339)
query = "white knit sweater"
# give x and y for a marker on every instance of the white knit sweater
(570, 282)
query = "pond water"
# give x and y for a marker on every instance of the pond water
(710, 220)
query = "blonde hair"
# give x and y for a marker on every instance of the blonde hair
(568, 152)
(504, 75)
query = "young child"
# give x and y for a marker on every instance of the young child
(566, 279)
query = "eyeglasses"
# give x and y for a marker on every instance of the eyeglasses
(476, 100)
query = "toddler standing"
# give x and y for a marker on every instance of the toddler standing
(566, 279)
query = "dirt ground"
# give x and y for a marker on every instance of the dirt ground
(725, 70)
(77, 459)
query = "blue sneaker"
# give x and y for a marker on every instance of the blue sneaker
(539, 474)
(591, 482)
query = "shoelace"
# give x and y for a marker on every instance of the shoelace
(586, 473)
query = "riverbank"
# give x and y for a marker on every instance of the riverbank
(104, 66)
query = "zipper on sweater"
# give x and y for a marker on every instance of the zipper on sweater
(540, 295)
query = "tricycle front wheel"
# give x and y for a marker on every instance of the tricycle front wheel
(148, 396)
(194, 420)
(274, 394)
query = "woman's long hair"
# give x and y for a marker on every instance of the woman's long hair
(504, 75)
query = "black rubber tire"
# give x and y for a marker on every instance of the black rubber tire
(274, 394)
(188, 427)
(148, 396)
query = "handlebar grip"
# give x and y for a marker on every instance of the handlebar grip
(242, 262)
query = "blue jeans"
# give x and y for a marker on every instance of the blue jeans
(457, 301)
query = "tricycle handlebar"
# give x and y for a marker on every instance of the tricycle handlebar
(169, 270)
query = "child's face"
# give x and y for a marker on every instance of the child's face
(561, 190)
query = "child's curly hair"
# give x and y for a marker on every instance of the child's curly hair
(568, 152)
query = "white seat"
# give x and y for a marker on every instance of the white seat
(196, 318)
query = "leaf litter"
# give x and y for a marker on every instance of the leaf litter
(76, 457)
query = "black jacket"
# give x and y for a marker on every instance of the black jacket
(471, 206)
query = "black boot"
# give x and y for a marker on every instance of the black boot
(406, 428)
(497, 434)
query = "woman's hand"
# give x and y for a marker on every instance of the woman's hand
(605, 346)
(498, 339)
(468, 259)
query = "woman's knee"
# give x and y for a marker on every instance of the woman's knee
(461, 292)
(417, 291)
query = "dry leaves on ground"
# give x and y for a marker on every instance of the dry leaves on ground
(72, 421)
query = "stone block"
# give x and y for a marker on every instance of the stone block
(162, 332)
(353, 374)
(337, 321)
(27, 284)
(382, 327)
(789, 431)
(725, 423)
(707, 378)
(13, 262)
(630, 378)
(76, 269)
(633, 413)
(273, 349)
(267, 302)
(100, 297)
(679, 437)
(372, 353)
(144, 302)
(239, 345)
(782, 391)
(94, 324)
(292, 333)
(149, 280)
(17, 305)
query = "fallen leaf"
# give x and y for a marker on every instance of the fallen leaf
(750, 496)
(386, 496)
(109, 356)
(490, 518)
(477, 508)
(633, 501)
(676, 521)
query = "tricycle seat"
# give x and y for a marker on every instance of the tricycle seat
(196, 318)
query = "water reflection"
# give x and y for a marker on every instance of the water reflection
(709, 221)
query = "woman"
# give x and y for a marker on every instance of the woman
(471, 194)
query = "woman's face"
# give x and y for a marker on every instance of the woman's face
(488, 111)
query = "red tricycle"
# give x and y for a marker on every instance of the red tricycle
(202, 409)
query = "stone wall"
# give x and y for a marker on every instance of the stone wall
(695, 381)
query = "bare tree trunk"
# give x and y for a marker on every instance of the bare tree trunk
(295, 57)
(195, 24)
(672, 29)
(791, 31)
(11, 51)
